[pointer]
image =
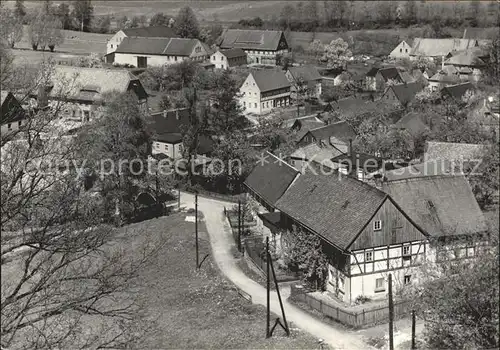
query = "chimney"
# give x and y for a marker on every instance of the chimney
(164, 113)
(353, 168)
(442, 63)
(177, 114)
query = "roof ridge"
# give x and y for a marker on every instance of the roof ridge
(282, 161)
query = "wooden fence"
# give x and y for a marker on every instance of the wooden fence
(356, 319)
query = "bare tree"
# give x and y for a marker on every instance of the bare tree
(11, 29)
(67, 281)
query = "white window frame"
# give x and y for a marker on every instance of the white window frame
(405, 281)
(368, 254)
(406, 247)
(377, 225)
(380, 288)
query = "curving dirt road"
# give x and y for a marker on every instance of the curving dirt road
(221, 241)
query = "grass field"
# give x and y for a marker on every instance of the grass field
(198, 309)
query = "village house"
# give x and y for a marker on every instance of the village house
(305, 80)
(261, 46)
(168, 128)
(147, 52)
(448, 75)
(12, 114)
(461, 156)
(377, 79)
(300, 126)
(439, 49)
(225, 59)
(143, 32)
(468, 64)
(337, 135)
(458, 92)
(401, 51)
(264, 90)
(402, 94)
(313, 155)
(83, 90)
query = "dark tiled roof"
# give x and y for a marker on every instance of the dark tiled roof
(232, 53)
(453, 152)
(169, 124)
(11, 109)
(457, 91)
(406, 93)
(390, 73)
(441, 205)
(340, 130)
(373, 72)
(271, 180)
(334, 206)
(270, 79)
(250, 39)
(169, 137)
(307, 73)
(364, 160)
(413, 123)
(439, 167)
(158, 46)
(151, 32)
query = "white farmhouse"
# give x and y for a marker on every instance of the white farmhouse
(146, 32)
(264, 90)
(401, 51)
(146, 52)
(225, 59)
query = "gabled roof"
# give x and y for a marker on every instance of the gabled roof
(315, 152)
(365, 161)
(390, 73)
(10, 108)
(232, 53)
(151, 32)
(447, 75)
(307, 73)
(250, 39)
(413, 123)
(169, 122)
(336, 207)
(295, 122)
(90, 84)
(453, 152)
(406, 92)
(270, 79)
(269, 179)
(441, 205)
(457, 91)
(439, 167)
(465, 58)
(158, 46)
(341, 130)
(428, 47)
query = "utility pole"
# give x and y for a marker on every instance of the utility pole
(196, 227)
(179, 198)
(413, 321)
(157, 194)
(391, 315)
(239, 225)
(268, 297)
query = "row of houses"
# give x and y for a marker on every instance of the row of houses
(369, 230)
(159, 46)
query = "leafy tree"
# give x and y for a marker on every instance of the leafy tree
(317, 48)
(303, 251)
(223, 94)
(121, 22)
(37, 31)
(484, 182)
(53, 35)
(337, 54)
(122, 136)
(82, 14)
(134, 22)
(311, 15)
(493, 68)
(286, 16)
(458, 298)
(11, 29)
(91, 61)
(186, 23)
(61, 271)
(474, 11)
(102, 24)
(410, 16)
(159, 19)
(63, 14)
(20, 9)
(210, 34)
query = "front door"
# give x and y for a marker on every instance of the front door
(142, 62)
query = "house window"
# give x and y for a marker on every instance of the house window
(244, 104)
(166, 147)
(255, 105)
(377, 225)
(400, 50)
(19, 123)
(213, 57)
(406, 250)
(368, 256)
(407, 279)
(380, 285)
(9, 126)
(111, 45)
(175, 58)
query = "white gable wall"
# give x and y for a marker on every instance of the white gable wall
(250, 100)
(153, 60)
(219, 60)
(401, 51)
(173, 151)
(115, 41)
